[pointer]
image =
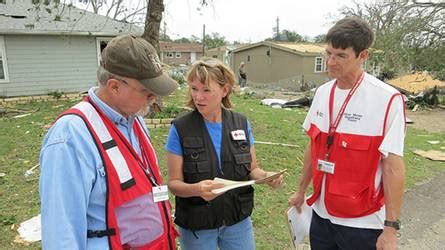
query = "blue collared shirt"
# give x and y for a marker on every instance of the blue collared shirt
(73, 183)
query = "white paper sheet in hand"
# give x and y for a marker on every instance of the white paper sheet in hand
(299, 223)
(230, 185)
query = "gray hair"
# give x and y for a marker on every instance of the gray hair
(104, 75)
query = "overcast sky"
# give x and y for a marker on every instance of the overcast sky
(250, 20)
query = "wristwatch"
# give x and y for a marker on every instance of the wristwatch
(393, 224)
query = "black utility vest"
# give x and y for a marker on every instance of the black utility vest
(201, 163)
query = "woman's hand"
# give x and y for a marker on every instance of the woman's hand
(205, 188)
(276, 182)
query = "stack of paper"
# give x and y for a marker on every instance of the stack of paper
(229, 184)
(299, 223)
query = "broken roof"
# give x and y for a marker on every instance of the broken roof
(416, 82)
(22, 17)
(297, 48)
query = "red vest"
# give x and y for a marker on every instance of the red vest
(126, 179)
(350, 192)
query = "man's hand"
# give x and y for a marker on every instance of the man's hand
(205, 188)
(297, 200)
(387, 240)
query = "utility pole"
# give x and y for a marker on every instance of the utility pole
(203, 39)
(277, 37)
(165, 31)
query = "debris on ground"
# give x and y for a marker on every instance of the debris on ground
(301, 102)
(31, 170)
(277, 143)
(274, 103)
(281, 103)
(21, 116)
(30, 230)
(433, 155)
(433, 142)
(416, 82)
(419, 89)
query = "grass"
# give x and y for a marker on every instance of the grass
(20, 140)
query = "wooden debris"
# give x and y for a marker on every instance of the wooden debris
(278, 144)
(433, 155)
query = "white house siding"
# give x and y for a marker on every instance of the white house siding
(40, 64)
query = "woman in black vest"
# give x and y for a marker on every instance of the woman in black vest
(212, 141)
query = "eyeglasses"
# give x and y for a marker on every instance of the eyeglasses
(142, 91)
(340, 57)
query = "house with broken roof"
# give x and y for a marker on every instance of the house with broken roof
(285, 65)
(49, 48)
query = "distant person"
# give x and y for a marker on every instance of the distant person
(100, 184)
(242, 75)
(356, 126)
(212, 141)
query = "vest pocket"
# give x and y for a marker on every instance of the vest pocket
(196, 171)
(245, 204)
(242, 165)
(346, 199)
(197, 217)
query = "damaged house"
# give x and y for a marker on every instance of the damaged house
(51, 48)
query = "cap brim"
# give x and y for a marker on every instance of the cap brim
(162, 85)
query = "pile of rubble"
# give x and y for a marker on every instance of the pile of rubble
(419, 89)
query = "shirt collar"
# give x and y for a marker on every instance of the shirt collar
(112, 114)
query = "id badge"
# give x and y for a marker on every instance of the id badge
(160, 193)
(326, 166)
(238, 135)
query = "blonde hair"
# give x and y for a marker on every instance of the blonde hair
(207, 69)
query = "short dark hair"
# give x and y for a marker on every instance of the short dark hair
(351, 32)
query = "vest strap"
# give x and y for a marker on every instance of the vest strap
(100, 233)
(109, 144)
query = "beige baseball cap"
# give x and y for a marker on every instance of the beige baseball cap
(134, 57)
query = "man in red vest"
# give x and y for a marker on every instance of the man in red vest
(100, 183)
(356, 126)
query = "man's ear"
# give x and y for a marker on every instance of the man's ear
(113, 85)
(364, 55)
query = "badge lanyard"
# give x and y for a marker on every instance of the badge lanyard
(333, 126)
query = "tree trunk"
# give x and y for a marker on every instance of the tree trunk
(153, 22)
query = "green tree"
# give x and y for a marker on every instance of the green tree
(214, 40)
(410, 35)
(292, 36)
(320, 38)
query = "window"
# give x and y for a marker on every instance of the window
(178, 54)
(170, 54)
(215, 56)
(248, 58)
(319, 64)
(3, 64)
(101, 43)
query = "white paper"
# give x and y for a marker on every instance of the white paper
(228, 185)
(30, 230)
(299, 223)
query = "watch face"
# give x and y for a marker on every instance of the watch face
(393, 224)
